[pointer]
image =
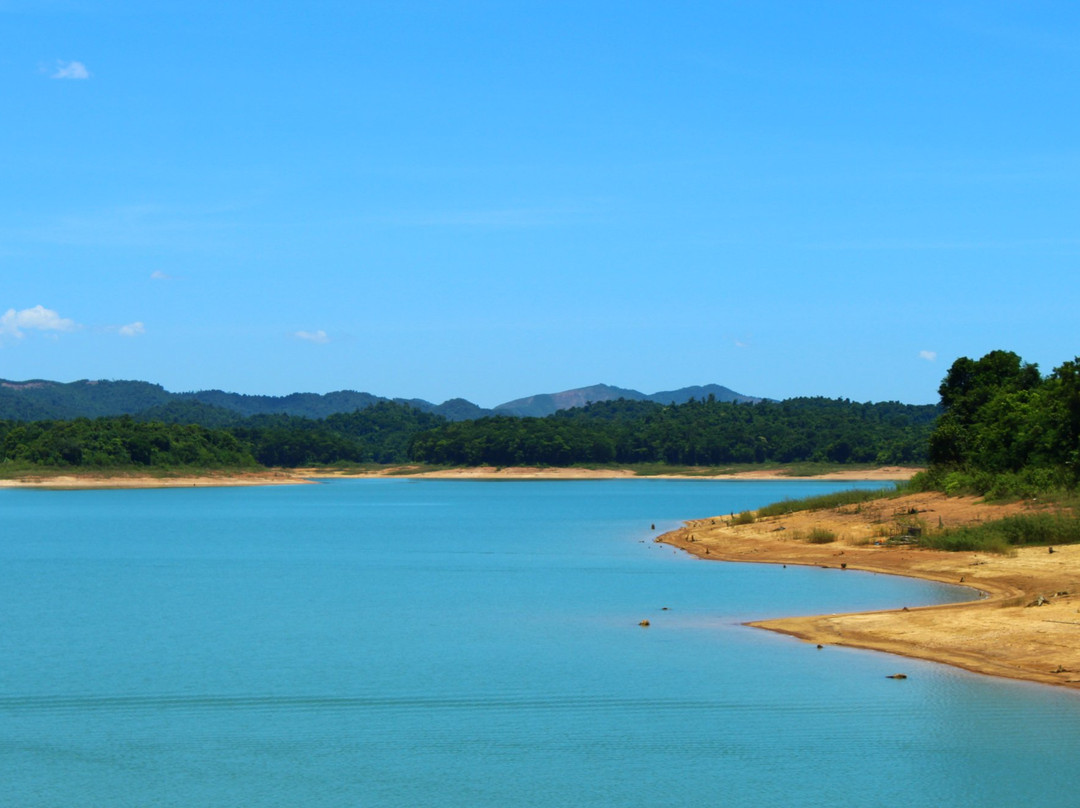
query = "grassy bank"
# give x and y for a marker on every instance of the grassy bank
(1056, 523)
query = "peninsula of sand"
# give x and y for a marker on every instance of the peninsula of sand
(1023, 621)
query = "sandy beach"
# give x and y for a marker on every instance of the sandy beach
(1001, 632)
(89, 480)
(885, 474)
(301, 476)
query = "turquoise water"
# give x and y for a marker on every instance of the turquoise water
(449, 643)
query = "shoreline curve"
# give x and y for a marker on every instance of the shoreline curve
(1000, 633)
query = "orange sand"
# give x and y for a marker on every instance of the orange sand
(1000, 634)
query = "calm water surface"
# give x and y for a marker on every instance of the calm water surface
(423, 643)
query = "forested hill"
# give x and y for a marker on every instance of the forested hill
(186, 432)
(706, 432)
(189, 434)
(1002, 428)
(39, 399)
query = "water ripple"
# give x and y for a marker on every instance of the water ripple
(37, 703)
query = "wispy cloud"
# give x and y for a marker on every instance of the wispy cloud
(929, 356)
(15, 323)
(319, 336)
(158, 275)
(132, 329)
(70, 70)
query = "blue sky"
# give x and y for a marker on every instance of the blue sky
(494, 199)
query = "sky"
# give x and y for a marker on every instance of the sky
(489, 200)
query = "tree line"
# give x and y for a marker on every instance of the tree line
(119, 442)
(187, 434)
(707, 432)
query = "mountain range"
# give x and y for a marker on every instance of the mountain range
(547, 403)
(39, 399)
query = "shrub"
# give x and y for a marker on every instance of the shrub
(1007, 485)
(1040, 528)
(979, 539)
(821, 535)
(1026, 483)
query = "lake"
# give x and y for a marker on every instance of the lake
(460, 643)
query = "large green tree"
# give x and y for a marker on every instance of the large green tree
(968, 387)
(1002, 418)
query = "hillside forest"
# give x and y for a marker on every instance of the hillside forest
(1001, 426)
(192, 434)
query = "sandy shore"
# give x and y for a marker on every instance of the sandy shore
(121, 480)
(307, 475)
(885, 474)
(1001, 633)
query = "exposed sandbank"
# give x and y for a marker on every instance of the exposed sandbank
(126, 479)
(999, 634)
(885, 474)
(87, 480)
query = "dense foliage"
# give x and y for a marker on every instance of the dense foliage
(378, 434)
(706, 432)
(697, 433)
(187, 433)
(1006, 430)
(119, 442)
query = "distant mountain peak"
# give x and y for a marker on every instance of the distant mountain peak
(39, 399)
(546, 403)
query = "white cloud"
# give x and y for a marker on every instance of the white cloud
(158, 275)
(70, 70)
(132, 330)
(313, 336)
(39, 318)
(929, 356)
